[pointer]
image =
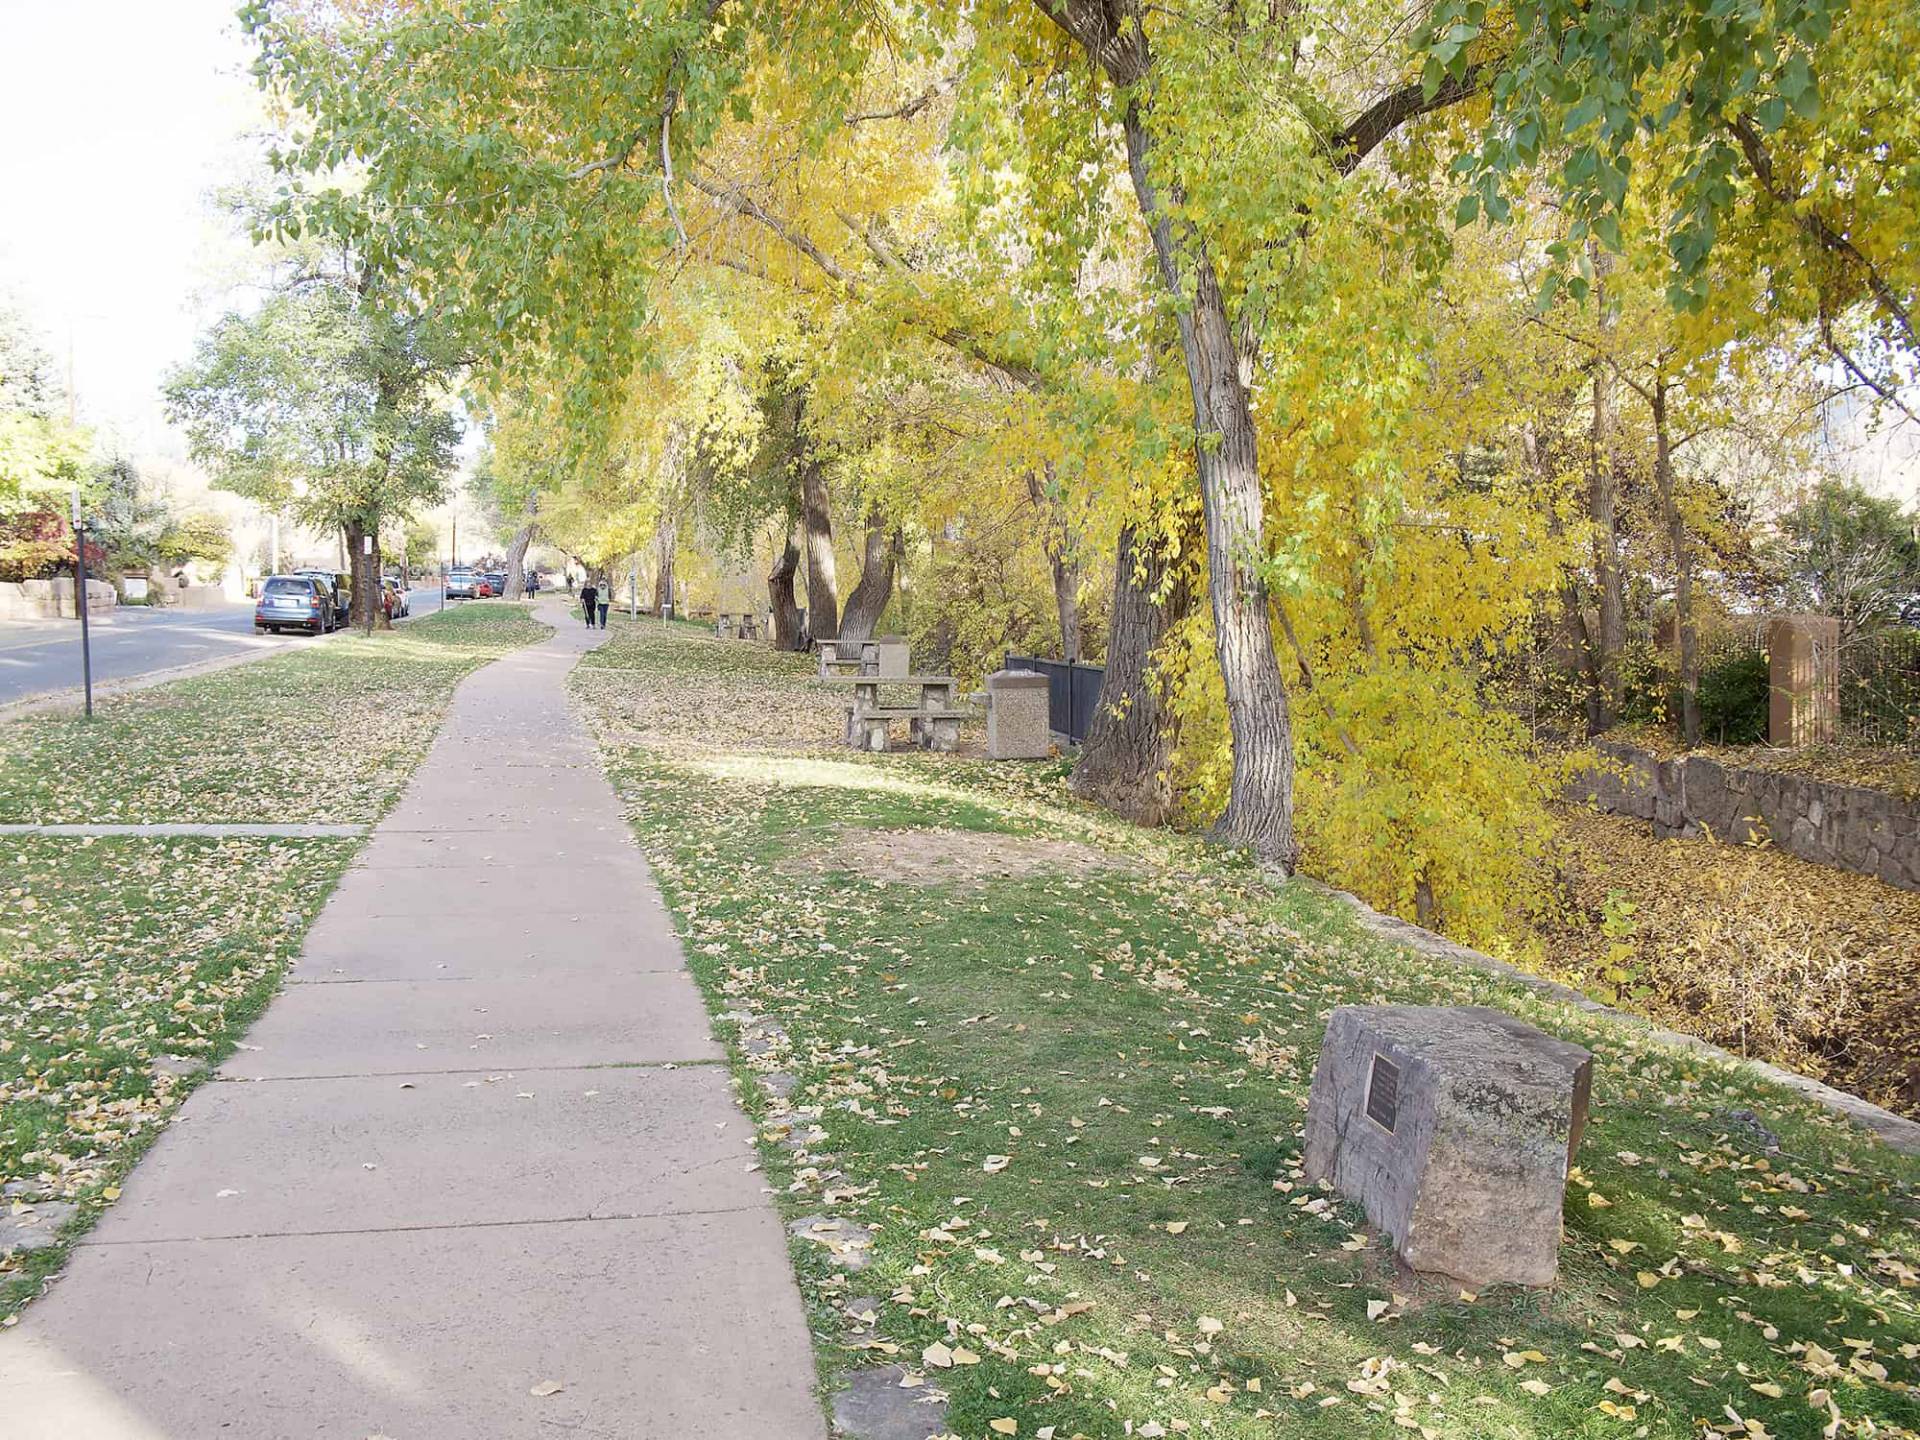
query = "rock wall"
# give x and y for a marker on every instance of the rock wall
(51, 599)
(1869, 832)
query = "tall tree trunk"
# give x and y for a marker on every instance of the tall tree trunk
(1576, 634)
(1260, 798)
(517, 560)
(786, 609)
(1603, 504)
(1682, 546)
(1061, 545)
(816, 523)
(363, 562)
(665, 543)
(869, 598)
(1123, 764)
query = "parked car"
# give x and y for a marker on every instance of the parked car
(338, 589)
(394, 595)
(295, 602)
(461, 584)
(497, 580)
(482, 587)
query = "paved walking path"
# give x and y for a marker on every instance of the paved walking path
(481, 1145)
(216, 832)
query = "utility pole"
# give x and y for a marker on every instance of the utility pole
(80, 599)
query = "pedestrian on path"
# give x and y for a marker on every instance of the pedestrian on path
(606, 604)
(589, 600)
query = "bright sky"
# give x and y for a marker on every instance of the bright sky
(119, 116)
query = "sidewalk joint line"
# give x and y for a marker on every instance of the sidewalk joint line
(90, 1242)
(702, 1063)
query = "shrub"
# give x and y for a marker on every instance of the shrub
(1734, 693)
(34, 545)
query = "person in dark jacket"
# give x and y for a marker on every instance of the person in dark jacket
(589, 601)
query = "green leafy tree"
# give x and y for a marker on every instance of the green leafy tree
(320, 403)
(42, 456)
(1850, 554)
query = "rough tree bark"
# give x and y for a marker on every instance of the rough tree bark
(517, 560)
(1057, 538)
(1603, 504)
(665, 543)
(364, 608)
(786, 609)
(1259, 810)
(1682, 546)
(1576, 634)
(1123, 764)
(816, 523)
(869, 598)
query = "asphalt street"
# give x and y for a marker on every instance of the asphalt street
(37, 656)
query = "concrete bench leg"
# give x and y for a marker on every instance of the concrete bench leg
(874, 736)
(943, 736)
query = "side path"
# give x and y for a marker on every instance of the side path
(480, 1147)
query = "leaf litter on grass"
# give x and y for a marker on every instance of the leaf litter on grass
(128, 965)
(1067, 1108)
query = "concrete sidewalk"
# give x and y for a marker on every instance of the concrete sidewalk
(480, 1146)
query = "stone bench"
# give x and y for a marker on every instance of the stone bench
(869, 727)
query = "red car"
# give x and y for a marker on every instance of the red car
(482, 588)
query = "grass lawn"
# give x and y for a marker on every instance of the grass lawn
(322, 733)
(124, 960)
(1064, 1093)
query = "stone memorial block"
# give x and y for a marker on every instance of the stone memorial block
(1017, 716)
(1453, 1127)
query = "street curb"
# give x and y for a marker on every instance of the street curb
(74, 698)
(1898, 1132)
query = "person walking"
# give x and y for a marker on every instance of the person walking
(606, 603)
(589, 600)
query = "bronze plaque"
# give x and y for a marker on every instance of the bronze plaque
(1383, 1093)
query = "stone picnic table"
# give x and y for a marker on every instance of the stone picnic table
(934, 723)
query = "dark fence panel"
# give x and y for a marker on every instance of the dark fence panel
(1073, 693)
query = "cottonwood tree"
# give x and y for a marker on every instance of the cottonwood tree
(318, 403)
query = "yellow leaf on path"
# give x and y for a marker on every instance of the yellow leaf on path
(1004, 1426)
(112, 1192)
(546, 1388)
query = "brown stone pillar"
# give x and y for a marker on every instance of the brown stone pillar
(1803, 660)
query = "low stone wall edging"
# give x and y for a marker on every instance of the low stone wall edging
(1897, 1131)
(1848, 827)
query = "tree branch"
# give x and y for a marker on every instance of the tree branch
(1374, 124)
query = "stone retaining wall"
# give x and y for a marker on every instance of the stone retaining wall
(51, 599)
(1896, 1130)
(1869, 832)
